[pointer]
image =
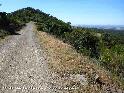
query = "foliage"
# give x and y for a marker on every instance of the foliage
(107, 46)
(85, 42)
(8, 25)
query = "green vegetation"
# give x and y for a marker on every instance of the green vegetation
(105, 45)
(8, 25)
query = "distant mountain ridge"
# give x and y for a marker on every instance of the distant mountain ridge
(114, 27)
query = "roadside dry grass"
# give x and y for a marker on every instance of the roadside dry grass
(65, 61)
(3, 39)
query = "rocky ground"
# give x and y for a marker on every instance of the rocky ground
(29, 65)
(23, 65)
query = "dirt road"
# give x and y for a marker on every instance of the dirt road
(23, 66)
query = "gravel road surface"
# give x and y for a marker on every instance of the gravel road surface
(23, 66)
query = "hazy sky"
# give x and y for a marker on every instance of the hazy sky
(104, 12)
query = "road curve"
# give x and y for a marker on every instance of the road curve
(23, 66)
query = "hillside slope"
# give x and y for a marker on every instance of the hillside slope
(76, 69)
(79, 73)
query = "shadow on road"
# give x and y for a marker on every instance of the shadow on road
(16, 34)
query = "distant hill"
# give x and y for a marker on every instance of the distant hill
(107, 27)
